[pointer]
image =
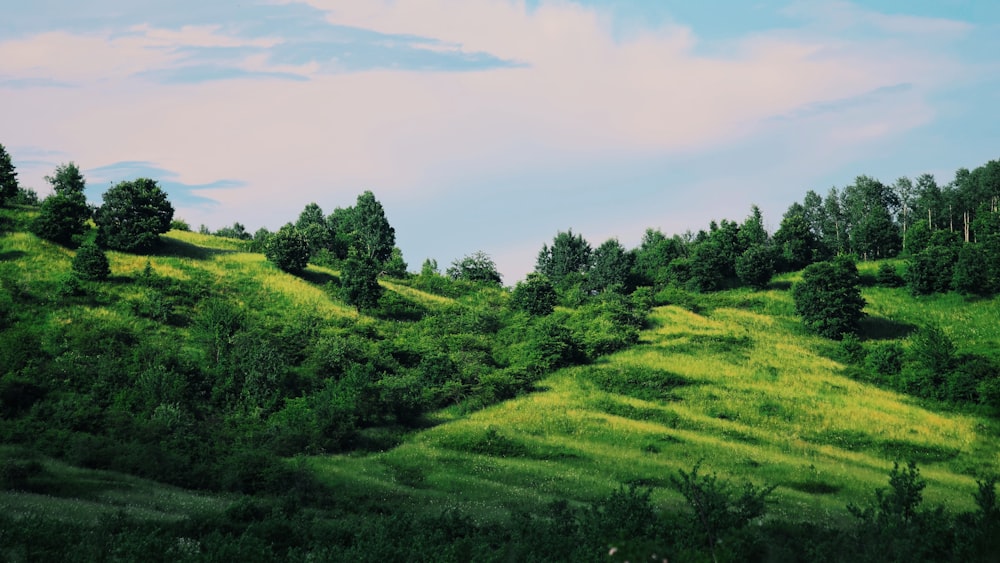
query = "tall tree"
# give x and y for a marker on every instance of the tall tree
(870, 207)
(929, 202)
(8, 177)
(610, 267)
(566, 261)
(371, 235)
(834, 236)
(313, 225)
(653, 257)
(752, 230)
(64, 213)
(133, 216)
(795, 243)
(906, 194)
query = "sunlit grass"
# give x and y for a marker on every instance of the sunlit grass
(763, 405)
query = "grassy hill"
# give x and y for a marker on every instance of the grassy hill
(739, 386)
(133, 375)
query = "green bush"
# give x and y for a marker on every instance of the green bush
(90, 262)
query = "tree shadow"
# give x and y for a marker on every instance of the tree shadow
(780, 285)
(881, 328)
(11, 255)
(174, 248)
(319, 278)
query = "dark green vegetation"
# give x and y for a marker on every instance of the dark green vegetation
(616, 404)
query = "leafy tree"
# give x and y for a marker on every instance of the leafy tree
(359, 281)
(371, 235)
(313, 225)
(610, 266)
(288, 249)
(829, 297)
(535, 295)
(654, 254)
(8, 178)
(64, 213)
(972, 270)
(395, 267)
(566, 261)
(133, 216)
(237, 231)
(796, 244)
(708, 266)
(476, 267)
(932, 269)
(752, 230)
(755, 266)
(90, 262)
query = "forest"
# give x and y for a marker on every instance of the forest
(182, 394)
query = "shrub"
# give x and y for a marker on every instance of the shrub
(90, 262)
(829, 297)
(133, 216)
(288, 249)
(887, 276)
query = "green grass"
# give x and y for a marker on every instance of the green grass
(742, 388)
(84, 496)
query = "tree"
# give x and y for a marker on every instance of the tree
(752, 230)
(395, 267)
(566, 261)
(90, 262)
(133, 216)
(795, 242)
(972, 271)
(8, 178)
(371, 235)
(288, 249)
(653, 256)
(359, 280)
(829, 297)
(313, 225)
(610, 265)
(65, 212)
(477, 267)
(756, 266)
(535, 295)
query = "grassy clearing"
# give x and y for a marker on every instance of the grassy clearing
(745, 390)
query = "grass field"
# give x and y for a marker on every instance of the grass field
(740, 387)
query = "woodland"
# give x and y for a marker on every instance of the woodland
(826, 392)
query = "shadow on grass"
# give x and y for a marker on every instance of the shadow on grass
(11, 255)
(174, 248)
(319, 278)
(780, 285)
(881, 328)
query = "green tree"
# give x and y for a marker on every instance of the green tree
(829, 297)
(8, 178)
(752, 230)
(313, 225)
(477, 267)
(395, 267)
(90, 262)
(535, 295)
(708, 267)
(796, 244)
(371, 235)
(610, 265)
(653, 257)
(972, 270)
(566, 261)
(359, 281)
(288, 249)
(755, 267)
(133, 216)
(64, 214)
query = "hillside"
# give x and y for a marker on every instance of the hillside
(276, 406)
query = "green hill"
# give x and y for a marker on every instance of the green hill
(294, 425)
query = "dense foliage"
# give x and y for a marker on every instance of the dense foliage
(133, 216)
(63, 215)
(829, 297)
(8, 178)
(288, 249)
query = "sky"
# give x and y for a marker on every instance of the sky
(494, 124)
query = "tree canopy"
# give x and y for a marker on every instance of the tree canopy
(829, 297)
(64, 214)
(134, 215)
(477, 267)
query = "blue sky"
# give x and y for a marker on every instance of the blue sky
(493, 124)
